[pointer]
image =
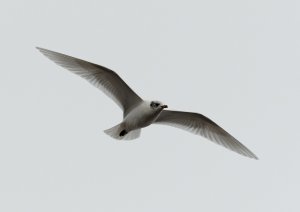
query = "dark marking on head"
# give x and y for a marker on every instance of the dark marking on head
(154, 104)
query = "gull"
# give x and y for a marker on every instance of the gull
(139, 113)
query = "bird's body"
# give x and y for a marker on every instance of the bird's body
(138, 113)
(141, 116)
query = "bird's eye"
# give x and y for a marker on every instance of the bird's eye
(154, 104)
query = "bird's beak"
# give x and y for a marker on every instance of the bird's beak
(164, 106)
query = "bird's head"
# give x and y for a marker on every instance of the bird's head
(156, 105)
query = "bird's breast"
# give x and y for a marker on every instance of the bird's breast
(140, 117)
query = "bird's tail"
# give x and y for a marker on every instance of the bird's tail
(119, 132)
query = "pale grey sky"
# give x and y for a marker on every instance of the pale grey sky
(236, 62)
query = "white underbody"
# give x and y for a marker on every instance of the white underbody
(140, 116)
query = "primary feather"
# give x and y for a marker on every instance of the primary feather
(101, 77)
(201, 125)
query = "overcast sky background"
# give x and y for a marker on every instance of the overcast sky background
(236, 62)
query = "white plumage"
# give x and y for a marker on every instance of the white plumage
(138, 113)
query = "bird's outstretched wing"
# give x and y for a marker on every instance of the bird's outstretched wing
(201, 125)
(103, 78)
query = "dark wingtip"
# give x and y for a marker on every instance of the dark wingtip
(253, 156)
(40, 49)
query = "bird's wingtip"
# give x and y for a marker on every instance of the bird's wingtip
(39, 48)
(253, 156)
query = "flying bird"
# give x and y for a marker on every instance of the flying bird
(139, 113)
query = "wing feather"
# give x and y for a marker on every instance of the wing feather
(201, 125)
(101, 77)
